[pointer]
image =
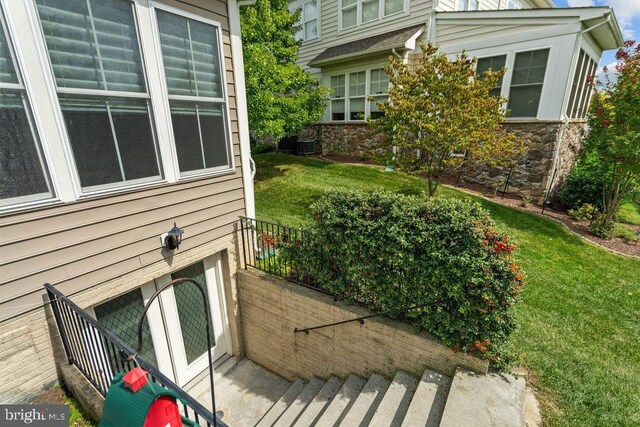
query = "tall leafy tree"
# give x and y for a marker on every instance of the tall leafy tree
(441, 117)
(614, 132)
(281, 97)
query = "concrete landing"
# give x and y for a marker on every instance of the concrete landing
(493, 400)
(244, 393)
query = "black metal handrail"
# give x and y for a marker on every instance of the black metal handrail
(361, 319)
(99, 354)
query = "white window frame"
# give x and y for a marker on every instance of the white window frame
(381, 15)
(347, 95)
(510, 64)
(220, 170)
(298, 5)
(35, 122)
(117, 187)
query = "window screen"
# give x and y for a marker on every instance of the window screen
(526, 83)
(337, 97)
(95, 55)
(378, 86)
(23, 175)
(193, 72)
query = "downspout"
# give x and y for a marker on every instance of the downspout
(241, 104)
(563, 115)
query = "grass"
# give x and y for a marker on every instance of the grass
(624, 232)
(629, 213)
(580, 315)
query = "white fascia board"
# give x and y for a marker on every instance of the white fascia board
(581, 13)
(241, 105)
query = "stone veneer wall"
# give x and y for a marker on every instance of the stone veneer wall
(270, 309)
(530, 178)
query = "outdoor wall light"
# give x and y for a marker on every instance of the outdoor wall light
(172, 239)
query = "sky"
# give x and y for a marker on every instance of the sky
(628, 16)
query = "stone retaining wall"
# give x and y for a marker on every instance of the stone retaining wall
(530, 178)
(270, 309)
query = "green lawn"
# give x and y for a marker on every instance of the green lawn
(580, 316)
(629, 213)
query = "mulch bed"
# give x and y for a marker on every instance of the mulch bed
(555, 211)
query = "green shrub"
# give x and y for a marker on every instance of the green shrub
(388, 251)
(601, 228)
(262, 148)
(584, 184)
(585, 212)
(624, 232)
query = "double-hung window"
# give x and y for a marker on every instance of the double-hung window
(337, 98)
(23, 172)
(95, 55)
(526, 82)
(355, 95)
(462, 5)
(378, 86)
(308, 21)
(191, 57)
(493, 63)
(358, 12)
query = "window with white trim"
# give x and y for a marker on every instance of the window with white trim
(358, 12)
(95, 56)
(513, 5)
(526, 82)
(308, 21)
(191, 57)
(355, 95)
(463, 5)
(23, 171)
(492, 63)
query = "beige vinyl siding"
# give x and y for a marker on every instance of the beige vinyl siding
(330, 34)
(79, 245)
(456, 33)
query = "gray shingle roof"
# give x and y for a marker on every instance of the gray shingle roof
(379, 42)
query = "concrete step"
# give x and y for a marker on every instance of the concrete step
(314, 410)
(367, 402)
(428, 401)
(494, 400)
(341, 404)
(282, 404)
(395, 402)
(291, 414)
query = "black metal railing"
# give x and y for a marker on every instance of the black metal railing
(262, 247)
(99, 354)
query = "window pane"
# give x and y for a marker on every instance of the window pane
(375, 110)
(356, 109)
(190, 55)
(461, 4)
(311, 30)
(357, 83)
(200, 135)
(379, 82)
(338, 86)
(310, 11)
(21, 171)
(300, 34)
(214, 139)
(524, 100)
(494, 63)
(7, 71)
(187, 136)
(191, 312)
(121, 316)
(94, 149)
(393, 6)
(349, 17)
(370, 10)
(337, 110)
(473, 4)
(100, 158)
(135, 139)
(346, 3)
(92, 44)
